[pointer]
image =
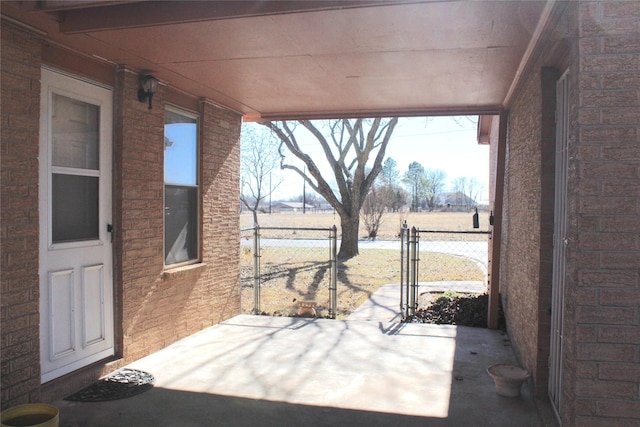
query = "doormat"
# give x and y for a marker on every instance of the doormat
(119, 385)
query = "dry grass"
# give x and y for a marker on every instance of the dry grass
(298, 274)
(302, 277)
(389, 229)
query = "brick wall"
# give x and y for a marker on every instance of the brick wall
(161, 306)
(527, 253)
(601, 336)
(19, 336)
(603, 342)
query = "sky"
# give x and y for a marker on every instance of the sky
(435, 142)
(180, 165)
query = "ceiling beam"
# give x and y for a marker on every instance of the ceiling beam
(536, 37)
(152, 13)
(58, 5)
(488, 110)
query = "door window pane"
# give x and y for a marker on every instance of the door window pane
(74, 131)
(74, 208)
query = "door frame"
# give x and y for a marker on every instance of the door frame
(559, 243)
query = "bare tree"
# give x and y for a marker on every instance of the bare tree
(466, 191)
(435, 186)
(465, 121)
(373, 209)
(259, 165)
(459, 185)
(474, 188)
(381, 198)
(348, 146)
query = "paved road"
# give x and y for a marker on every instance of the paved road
(477, 251)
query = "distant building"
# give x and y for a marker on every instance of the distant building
(326, 207)
(291, 207)
(457, 200)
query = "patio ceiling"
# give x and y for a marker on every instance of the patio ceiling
(291, 59)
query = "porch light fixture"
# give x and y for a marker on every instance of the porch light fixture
(148, 85)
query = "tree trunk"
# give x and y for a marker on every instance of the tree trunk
(349, 241)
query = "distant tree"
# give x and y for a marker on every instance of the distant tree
(435, 185)
(353, 150)
(467, 191)
(459, 187)
(474, 188)
(416, 181)
(394, 196)
(259, 167)
(390, 174)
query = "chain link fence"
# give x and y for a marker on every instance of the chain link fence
(288, 271)
(436, 260)
(294, 271)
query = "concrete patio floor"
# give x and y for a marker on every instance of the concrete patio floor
(268, 371)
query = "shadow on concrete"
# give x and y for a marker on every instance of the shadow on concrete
(259, 370)
(173, 408)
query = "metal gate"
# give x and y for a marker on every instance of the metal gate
(410, 240)
(409, 265)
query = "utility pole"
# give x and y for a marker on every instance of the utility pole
(270, 191)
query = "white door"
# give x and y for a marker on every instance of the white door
(76, 277)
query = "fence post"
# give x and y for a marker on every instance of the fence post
(412, 299)
(333, 283)
(403, 270)
(417, 270)
(256, 269)
(408, 275)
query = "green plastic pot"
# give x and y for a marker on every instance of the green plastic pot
(31, 415)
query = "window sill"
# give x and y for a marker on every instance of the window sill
(174, 272)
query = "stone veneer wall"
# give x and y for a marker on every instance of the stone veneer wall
(526, 271)
(154, 306)
(19, 220)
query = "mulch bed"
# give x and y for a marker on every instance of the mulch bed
(461, 310)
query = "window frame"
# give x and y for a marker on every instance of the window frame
(198, 153)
